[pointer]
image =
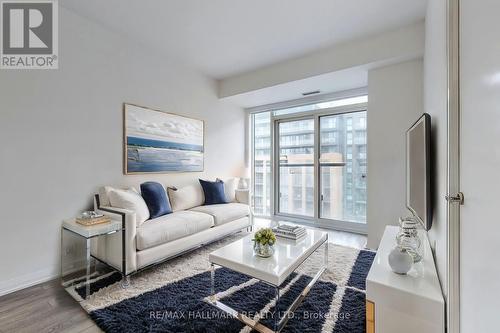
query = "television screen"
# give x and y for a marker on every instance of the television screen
(418, 173)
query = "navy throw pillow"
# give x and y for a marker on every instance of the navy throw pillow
(156, 199)
(214, 192)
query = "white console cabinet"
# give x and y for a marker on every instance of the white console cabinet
(403, 303)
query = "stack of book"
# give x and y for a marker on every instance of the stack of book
(290, 231)
(92, 219)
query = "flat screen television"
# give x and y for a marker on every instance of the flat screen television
(418, 170)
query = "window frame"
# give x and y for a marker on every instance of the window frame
(274, 182)
(316, 220)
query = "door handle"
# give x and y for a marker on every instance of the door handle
(458, 197)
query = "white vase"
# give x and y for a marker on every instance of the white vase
(400, 260)
(243, 184)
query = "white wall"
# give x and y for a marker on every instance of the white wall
(435, 104)
(480, 165)
(61, 134)
(389, 47)
(394, 103)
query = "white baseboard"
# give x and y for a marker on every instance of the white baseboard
(28, 280)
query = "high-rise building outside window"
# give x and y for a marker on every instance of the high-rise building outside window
(342, 165)
(262, 163)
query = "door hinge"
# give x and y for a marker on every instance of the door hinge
(458, 197)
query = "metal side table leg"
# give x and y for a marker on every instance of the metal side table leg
(87, 268)
(125, 282)
(212, 283)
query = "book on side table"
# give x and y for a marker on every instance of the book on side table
(92, 218)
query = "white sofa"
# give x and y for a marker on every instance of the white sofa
(190, 226)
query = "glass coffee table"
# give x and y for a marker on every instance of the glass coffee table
(288, 256)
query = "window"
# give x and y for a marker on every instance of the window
(343, 189)
(262, 163)
(349, 124)
(349, 138)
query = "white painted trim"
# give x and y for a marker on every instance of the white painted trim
(28, 280)
(453, 168)
(309, 100)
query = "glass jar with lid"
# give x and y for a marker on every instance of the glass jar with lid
(408, 238)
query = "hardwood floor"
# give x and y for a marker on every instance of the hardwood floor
(48, 307)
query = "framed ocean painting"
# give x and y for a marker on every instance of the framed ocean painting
(160, 142)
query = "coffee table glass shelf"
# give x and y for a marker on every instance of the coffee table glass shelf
(288, 256)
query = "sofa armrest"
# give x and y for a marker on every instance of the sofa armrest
(116, 212)
(243, 196)
(110, 248)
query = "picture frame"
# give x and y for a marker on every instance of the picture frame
(155, 141)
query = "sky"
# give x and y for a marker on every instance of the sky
(157, 125)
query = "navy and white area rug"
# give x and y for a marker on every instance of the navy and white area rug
(172, 296)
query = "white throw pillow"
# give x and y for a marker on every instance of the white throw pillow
(130, 199)
(186, 197)
(230, 186)
(104, 193)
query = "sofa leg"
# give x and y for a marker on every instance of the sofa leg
(125, 282)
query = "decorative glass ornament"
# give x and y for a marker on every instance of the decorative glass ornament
(408, 237)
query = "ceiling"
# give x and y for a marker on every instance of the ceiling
(351, 78)
(222, 38)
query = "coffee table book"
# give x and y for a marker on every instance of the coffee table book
(92, 221)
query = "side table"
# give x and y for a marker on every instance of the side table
(78, 267)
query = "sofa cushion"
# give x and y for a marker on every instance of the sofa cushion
(230, 186)
(130, 199)
(224, 213)
(156, 199)
(170, 227)
(104, 193)
(185, 197)
(214, 192)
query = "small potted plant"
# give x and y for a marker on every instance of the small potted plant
(264, 240)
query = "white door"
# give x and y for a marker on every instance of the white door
(480, 165)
